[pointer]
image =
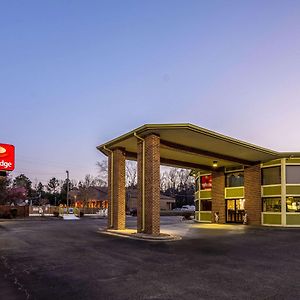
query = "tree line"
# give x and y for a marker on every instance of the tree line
(21, 188)
(175, 182)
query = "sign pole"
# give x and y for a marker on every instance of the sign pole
(67, 191)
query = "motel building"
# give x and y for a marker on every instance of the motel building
(232, 177)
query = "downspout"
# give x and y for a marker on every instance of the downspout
(143, 180)
(111, 184)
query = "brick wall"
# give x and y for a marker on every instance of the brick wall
(218, 195)
(22, 211)
(152, 184)
(252, 184)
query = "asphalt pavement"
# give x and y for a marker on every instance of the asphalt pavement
(48, 258)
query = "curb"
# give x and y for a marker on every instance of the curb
(142, 236)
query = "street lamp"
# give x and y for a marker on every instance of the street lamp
(67, 191)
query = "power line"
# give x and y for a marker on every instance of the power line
(43, 161)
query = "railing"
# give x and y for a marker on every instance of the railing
(42, 210)
(51, 210)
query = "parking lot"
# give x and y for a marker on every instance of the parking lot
(48, 258)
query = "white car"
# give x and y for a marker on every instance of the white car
(188, 207)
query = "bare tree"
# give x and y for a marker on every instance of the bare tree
(102, 178)
(131, 173)
(184, 179)
(103, 172)
(85, 188)
(163, 181)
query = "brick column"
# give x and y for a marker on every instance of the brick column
(152, 184)
(252, 184)
(140, 183)
(116, 187)
(218, 195)
(109, 193)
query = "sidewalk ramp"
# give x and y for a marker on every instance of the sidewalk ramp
(70, 217)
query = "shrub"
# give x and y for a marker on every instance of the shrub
(6, 215)
(56, 213)
(14, 212)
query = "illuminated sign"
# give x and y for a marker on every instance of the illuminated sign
(206, 182)
(7, 157)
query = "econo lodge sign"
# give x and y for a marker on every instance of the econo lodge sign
(7, 157)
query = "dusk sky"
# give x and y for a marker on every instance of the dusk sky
(75, 74)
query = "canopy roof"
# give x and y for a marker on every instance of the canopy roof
(190, 146)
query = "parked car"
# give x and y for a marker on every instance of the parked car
(188, 207)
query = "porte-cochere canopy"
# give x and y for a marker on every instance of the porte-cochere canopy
(187, 145)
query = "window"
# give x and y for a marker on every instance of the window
(197, 205)
(271, 175)
(293, 174)
(197, 184)
(206, 182)
(293, 204)
(272, 204)
(205, 205)
(235, 179)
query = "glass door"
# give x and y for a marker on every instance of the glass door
(239, 210)
(235, 210)
(230, 211)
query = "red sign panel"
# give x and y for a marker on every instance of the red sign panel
(206, 182)
(7, 157)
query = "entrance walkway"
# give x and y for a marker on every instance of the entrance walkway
(176, 229)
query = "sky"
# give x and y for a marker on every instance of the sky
(75, 74)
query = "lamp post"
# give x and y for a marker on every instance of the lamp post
(67, 191)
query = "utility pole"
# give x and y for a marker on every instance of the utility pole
(67, 191)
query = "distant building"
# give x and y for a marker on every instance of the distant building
(93, 197)
(166, 202)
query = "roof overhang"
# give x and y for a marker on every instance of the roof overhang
(190, 146)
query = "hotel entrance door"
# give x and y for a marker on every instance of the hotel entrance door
(235, 210)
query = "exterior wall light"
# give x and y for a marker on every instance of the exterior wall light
(215, 163)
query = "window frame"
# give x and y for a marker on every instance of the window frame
(286, 174)
(268, 168)
(233, 173)
(298, 206)
(272, 199)
(201, 204)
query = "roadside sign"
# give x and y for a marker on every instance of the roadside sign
(7, 157)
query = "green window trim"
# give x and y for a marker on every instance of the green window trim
(271, 190)
(205, 194)
(293, 160)
(234, 192)
(293, 189)
(293, 219)
(272, 163)
(271, 218)
(205, 216)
